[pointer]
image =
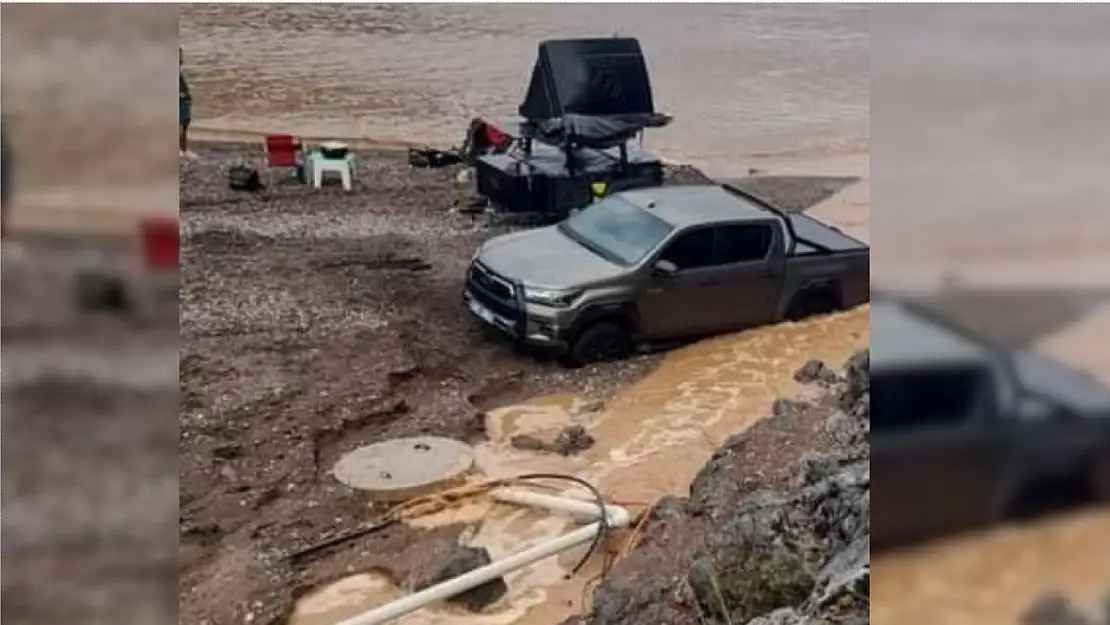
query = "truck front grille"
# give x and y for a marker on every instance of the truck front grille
(493, 291)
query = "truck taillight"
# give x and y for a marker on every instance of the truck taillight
(160, 242)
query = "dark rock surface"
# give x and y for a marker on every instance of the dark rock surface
(464, 560)
(1056, 609)
(776, 530)
(570, 440)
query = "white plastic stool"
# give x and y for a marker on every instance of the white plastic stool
(341, 166)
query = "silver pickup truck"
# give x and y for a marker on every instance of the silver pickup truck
(661, 264)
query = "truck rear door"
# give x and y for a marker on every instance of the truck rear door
(750, 258)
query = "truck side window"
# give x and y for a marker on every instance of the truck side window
(743, 243)
(692, 250)
(903, 402)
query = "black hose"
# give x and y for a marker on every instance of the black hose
(603, 518)
(342, 538)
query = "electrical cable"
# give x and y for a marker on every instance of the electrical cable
(603, 518)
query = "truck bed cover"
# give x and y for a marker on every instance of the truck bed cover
(812, 233)
(810, 236)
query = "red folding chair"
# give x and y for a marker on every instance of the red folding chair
(282, 151)
(161, 243)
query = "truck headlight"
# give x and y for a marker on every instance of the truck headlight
(550, 297)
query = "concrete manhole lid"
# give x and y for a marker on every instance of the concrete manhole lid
(405, 467)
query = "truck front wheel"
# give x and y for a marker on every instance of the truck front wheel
(601, 341)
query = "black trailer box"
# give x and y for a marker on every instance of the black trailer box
(542, 182)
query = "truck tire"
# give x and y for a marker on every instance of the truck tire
(812, 302)
(601, 341)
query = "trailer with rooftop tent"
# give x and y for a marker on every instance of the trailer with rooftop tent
(587, 105)
(967, 433)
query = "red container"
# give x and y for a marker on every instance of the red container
(161, 243)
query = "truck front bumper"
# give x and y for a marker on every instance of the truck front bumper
(530, 329)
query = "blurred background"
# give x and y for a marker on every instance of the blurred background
(991, 201)
(89, 397)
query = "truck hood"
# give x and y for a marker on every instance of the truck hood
(546, 258)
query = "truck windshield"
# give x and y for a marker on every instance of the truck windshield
(617, 230)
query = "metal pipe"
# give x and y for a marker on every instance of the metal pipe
(616, 517)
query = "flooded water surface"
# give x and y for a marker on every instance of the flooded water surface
(739, 79)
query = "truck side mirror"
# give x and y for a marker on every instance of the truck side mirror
(664, 268)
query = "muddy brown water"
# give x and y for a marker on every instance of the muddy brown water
(651, 440)
(991, 578)
(754, 79)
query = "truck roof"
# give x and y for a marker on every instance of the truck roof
(901, 339)
(696, 204)
(904, 338)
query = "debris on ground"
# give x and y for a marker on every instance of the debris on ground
(571, 440)
(816, 371)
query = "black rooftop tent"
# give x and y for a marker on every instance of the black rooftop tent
(589, 92)
(586, 100)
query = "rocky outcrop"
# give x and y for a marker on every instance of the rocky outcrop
(1056, 609)
(776, 530)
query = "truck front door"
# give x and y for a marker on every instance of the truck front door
(685, 303)
(938, 457)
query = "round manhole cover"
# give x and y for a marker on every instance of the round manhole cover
(406, 467)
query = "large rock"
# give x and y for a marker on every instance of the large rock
(1056, 609)
(464, 560)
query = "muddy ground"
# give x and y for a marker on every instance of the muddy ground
(90, 450)
(315, 322)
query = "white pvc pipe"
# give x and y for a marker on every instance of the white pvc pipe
(616, 517)
(578, 508)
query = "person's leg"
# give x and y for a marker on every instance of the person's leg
(185, 115)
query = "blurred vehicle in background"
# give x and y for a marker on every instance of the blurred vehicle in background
(966, 433)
